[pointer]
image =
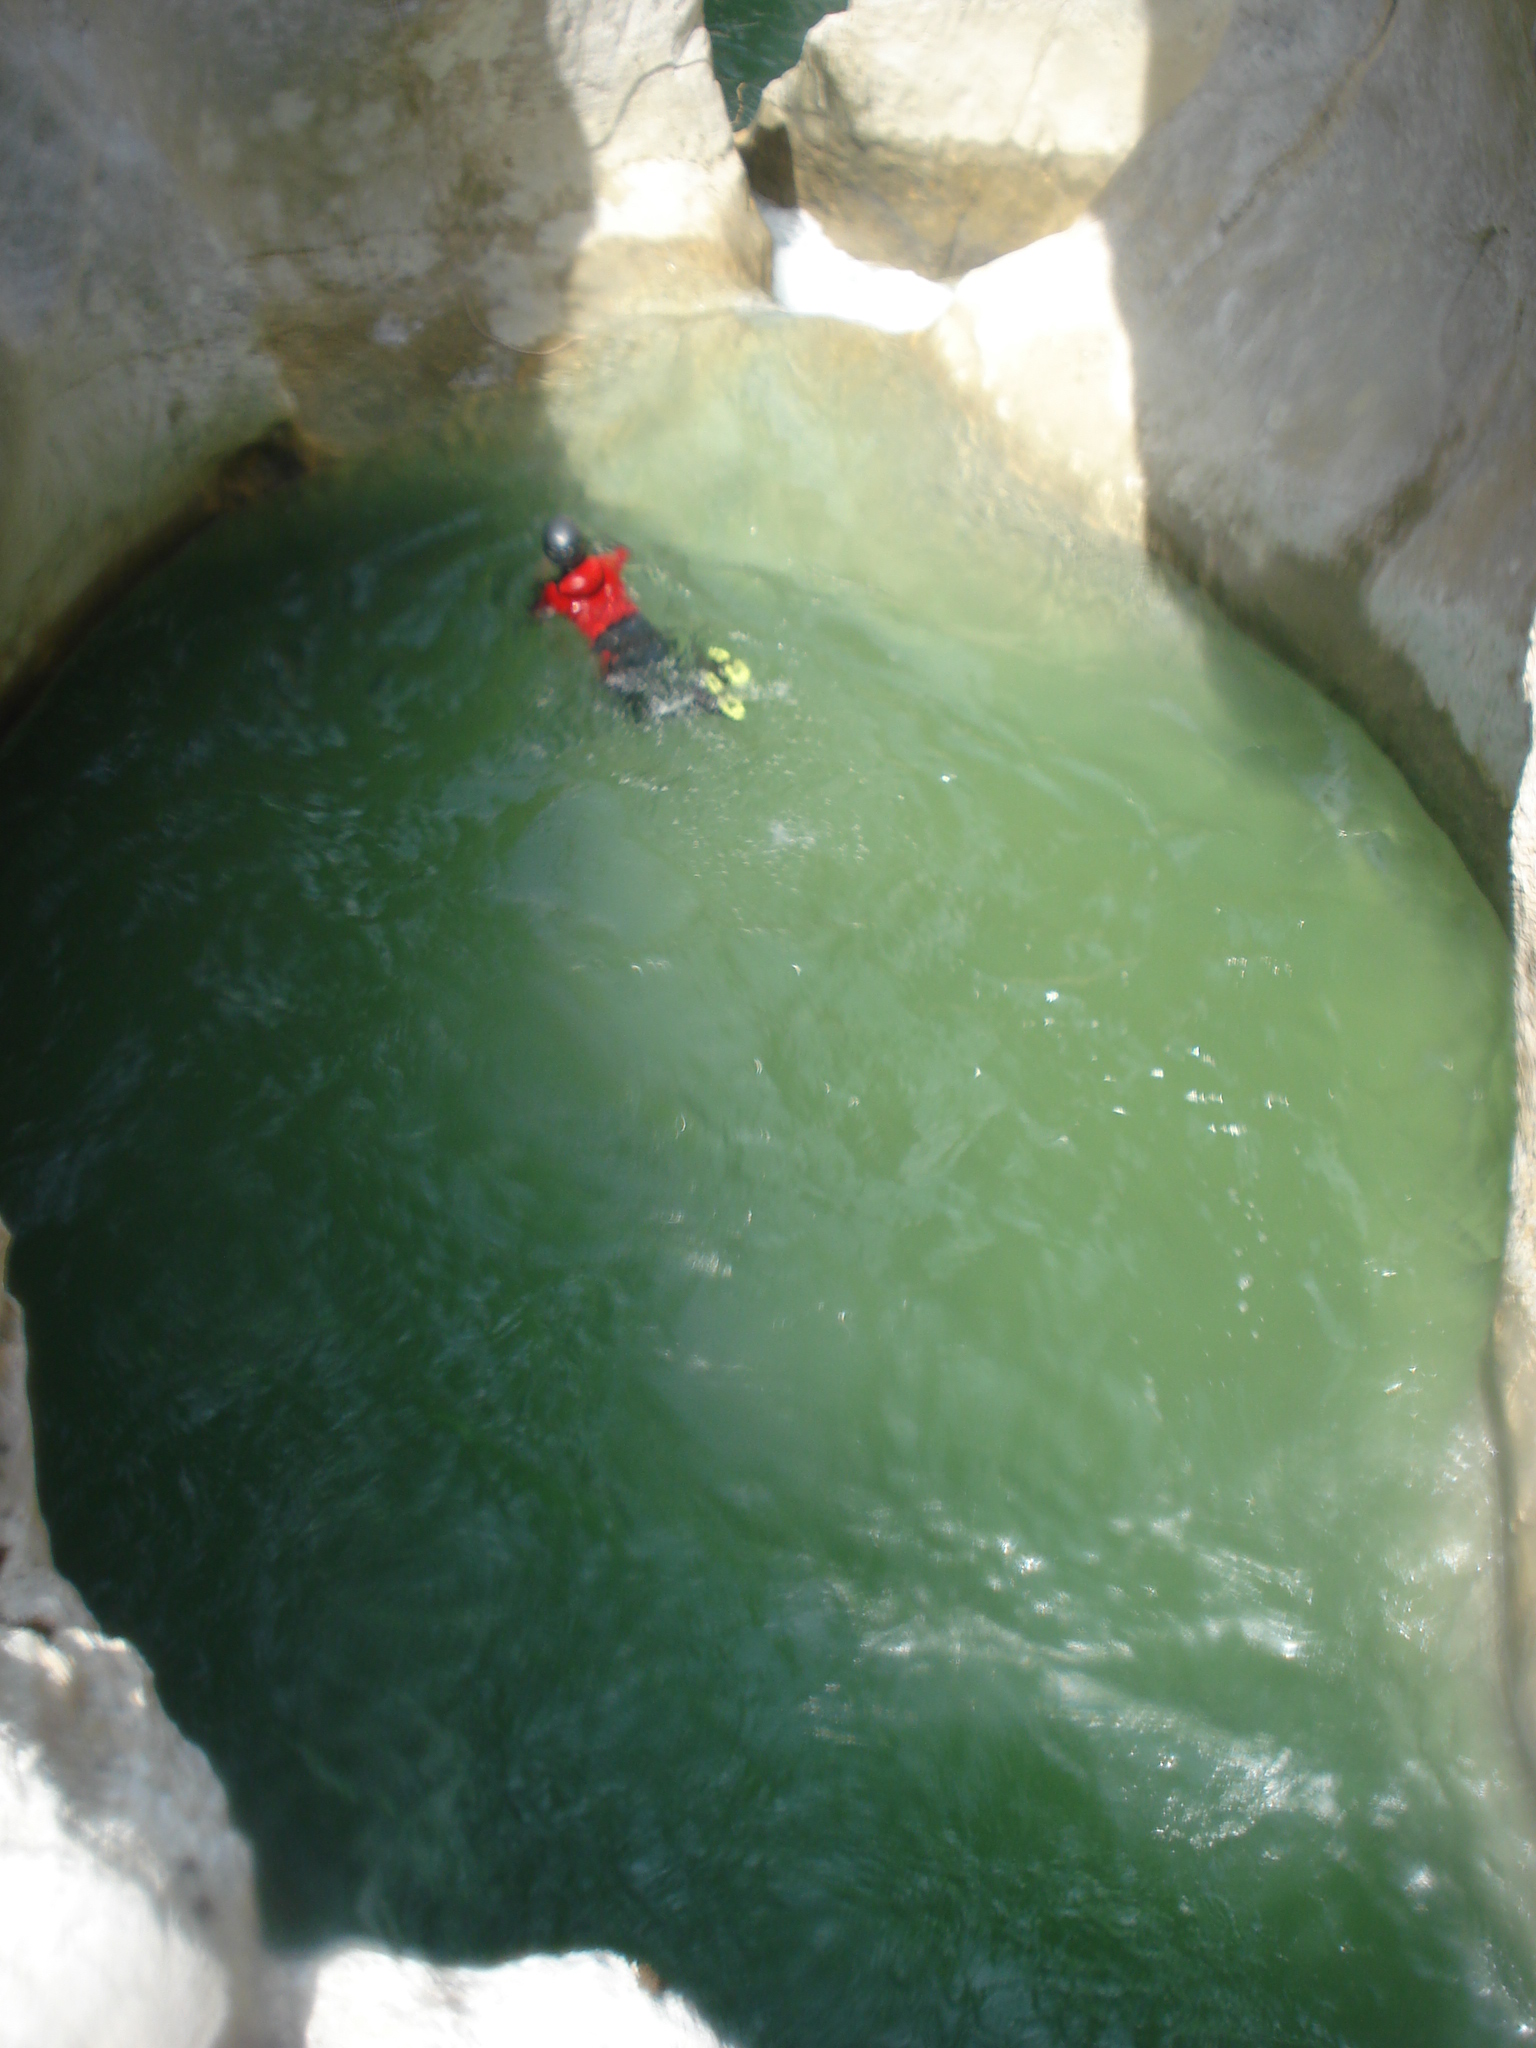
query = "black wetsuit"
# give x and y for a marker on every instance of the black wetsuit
(652, 673)
(633, 644)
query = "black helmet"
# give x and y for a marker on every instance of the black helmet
(563, 543)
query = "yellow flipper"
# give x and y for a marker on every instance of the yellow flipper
(727, 669)
(731, 706)
(731, 666)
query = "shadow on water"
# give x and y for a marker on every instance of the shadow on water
(251, 1395)
(387, 211)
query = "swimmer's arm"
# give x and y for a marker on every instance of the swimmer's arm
(584, 579)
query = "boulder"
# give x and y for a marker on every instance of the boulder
(937, 136)
(359, 1996)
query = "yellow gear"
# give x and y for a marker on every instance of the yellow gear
(730, 673)
(731, 666)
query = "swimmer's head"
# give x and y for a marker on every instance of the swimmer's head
(563, 543)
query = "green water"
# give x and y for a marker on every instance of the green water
(755, 41)
(839, 1352)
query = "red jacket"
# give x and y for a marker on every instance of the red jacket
(592, 595)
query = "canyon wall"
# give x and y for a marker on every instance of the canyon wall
(232, 230)
(231, 234)
(1245, 280)
(1273, 320)
(1256, 294)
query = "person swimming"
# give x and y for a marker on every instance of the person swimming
(651, 672)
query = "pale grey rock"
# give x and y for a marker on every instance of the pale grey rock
(126, 1895)
(1512, 1353)
(593, 2000)
(129, 359)
(1038, 334)
(1289, 347)
(938, 136)
(223, 222)
(1323, 261)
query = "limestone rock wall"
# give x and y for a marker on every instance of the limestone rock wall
(1325, 262)
(131, 361)
(937, 137)
(1289, 345)
(222, 220)
(1511, 1365)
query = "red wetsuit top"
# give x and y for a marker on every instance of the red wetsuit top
(592, 595)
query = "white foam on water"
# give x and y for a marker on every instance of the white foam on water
(812, 275)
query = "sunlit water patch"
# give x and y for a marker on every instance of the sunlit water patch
(838, 1352)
